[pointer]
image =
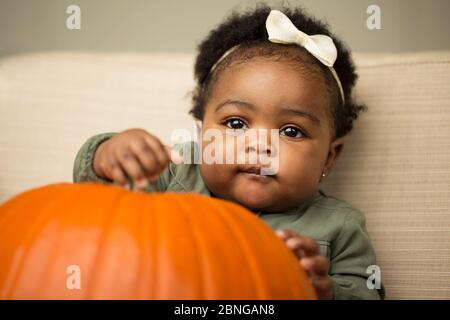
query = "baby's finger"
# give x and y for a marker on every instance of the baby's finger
(116, 173)
(317, 265)
(307, 245)
(158, 149)
(324, 287)
(147, 158)
(131, 166)
(174, 155)
(285, 234)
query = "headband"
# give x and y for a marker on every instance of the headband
(281, 30)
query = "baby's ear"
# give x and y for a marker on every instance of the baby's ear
(334, 152)
(337, 145)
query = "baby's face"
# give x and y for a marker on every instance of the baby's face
(268, 94)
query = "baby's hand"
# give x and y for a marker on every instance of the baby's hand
(134, 153)
(307, 251)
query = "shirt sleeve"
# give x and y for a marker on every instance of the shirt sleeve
(83, 169)
(351, 256)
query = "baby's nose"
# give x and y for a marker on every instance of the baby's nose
(265, 156)
(260, 143)
(259, 149)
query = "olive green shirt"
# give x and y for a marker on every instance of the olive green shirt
(338, 228)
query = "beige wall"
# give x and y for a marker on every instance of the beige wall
(177, 25)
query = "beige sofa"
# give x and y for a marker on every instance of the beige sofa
(395, 167)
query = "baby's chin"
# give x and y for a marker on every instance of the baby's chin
(255, 199)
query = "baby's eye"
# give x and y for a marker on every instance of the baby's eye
(292, 132)
(235, 123)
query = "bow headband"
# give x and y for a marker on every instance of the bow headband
(281, 30)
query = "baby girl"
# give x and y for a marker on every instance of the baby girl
(263, 70)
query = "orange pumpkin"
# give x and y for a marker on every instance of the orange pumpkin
(92, 241)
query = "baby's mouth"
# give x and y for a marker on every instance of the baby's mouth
(254, 171)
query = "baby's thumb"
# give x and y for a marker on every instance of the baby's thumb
(174, 155)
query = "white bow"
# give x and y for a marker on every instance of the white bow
(281, 30)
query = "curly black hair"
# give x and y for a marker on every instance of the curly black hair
(247, 31)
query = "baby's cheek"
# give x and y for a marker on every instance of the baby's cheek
(216, 176)
(218, 147)
(298, 170)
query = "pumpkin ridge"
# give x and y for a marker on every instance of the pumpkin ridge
(211, 224)
(266, 243)
(108, 224)
(235, 229)
(219, 206)
(33, 230)
(286, 276)
(179, 202)
(144, 221)
(57, 245)
(154, 236)
(159, 258)
(10, 210)
(295, 290)
(211, 211)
